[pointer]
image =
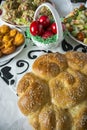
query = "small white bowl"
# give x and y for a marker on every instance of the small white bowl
(57, 20)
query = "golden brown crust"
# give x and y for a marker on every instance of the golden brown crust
(77, 61)
(49, 65)
(8, 47)
(25, 82)
(35, 96)
(52, 118)
(79, 116)
(6, 38)
(68, 89)
(54, 94)
(19, 39)
(47, 118)
(13, 32)
(1, 54)
(4, 29)
(8, 50)
(34, 120)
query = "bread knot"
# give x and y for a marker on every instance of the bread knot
(49, 65)
(34, 93)
(68, 89)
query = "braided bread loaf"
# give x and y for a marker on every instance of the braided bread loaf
(54, 94)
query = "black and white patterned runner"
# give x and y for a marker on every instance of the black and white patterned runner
(12, 70)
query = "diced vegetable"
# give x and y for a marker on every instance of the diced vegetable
(76, 23)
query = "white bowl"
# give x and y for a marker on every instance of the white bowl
(76, 40)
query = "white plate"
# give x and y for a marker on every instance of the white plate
(76, 39)
(8, 22)
(22, 26)
(16, 25)
(17, 51)
(8, 57)
(11, 24)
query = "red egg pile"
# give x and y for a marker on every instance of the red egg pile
(43, 27)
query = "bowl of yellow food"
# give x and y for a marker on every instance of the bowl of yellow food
(12, 41)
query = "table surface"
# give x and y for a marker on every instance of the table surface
(10, 115)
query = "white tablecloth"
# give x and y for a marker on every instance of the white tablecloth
(10, 73)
